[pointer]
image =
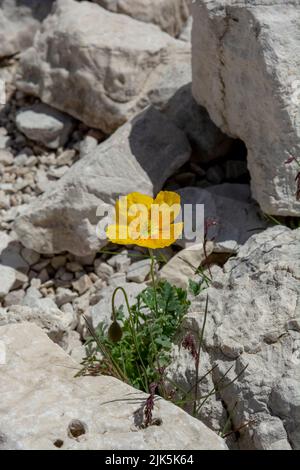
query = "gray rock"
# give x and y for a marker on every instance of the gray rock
(30, 256)
(140, 156)
(58, 261)
(45, 125)
(19, 21)
(64, 296)
(87, 145)
(186, 33)
(54, 322)
(169, 15)
(118, 76)
(101, 312)
(102, 269)
(46, 387)
(14, 297)
(82, 284)
(4, 141)
(6, 157)
(207, 141)
(183, 266)
(253, 319)
(117, 279)
(12, 265)
(138, 271)
(215, 174)
(236, 216)
(252, 74)
(120, 262)
(8, 279)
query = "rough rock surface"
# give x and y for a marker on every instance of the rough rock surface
(98, 77)
(230, 207)
(253, 319)
(19, 21)
(37, 379)
(101, 312)
(140, 156)
(43, 124)
(246, 74)
(54, 322)
(170, 15)
(207, 141)
(183, 266)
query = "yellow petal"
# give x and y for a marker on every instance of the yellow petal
(124, 203)
(169, 197)
(118, 234)
(169, 203)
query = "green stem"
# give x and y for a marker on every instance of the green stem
(132, 328)
(152, 272)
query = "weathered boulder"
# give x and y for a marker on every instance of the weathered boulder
(246, 74)
(170, 15)
(37, 381)
(80, 63)
(253, 320)
(19, 21)
(140, 156)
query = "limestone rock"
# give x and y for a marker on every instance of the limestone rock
(169, 15)
(19, 21)
(54, 322)
(184, 265)
(139, 270)
(37, 379)
(207, 141)
(12, 266)
(7, 279)
(246, 74)
(253, 319)
(230, 207)
(117, 77)
(101, 312)
(45, 125)
(140, 156)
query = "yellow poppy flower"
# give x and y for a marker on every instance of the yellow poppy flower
(144, 221)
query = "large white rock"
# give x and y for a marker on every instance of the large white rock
(19, 21)
(253, 319)
(170, 15)
(81, 64)
(140, 156)
(246, 73)
(42, 403)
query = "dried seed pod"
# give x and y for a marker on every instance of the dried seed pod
(115, 332)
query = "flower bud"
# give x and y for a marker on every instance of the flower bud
(115, 332)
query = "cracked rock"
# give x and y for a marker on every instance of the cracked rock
(246, 74)
(250, 305)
